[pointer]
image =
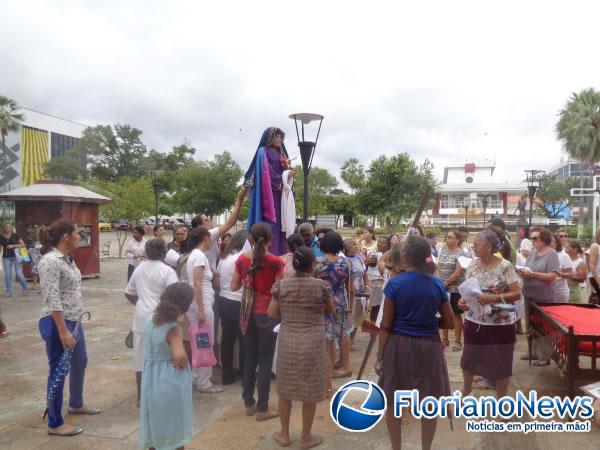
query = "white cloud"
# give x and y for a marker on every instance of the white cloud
(450, 81)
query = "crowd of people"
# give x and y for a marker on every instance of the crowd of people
(297, 314)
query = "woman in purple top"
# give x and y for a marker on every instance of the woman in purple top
(264, 179)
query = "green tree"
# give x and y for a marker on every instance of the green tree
(65, 167)
(578, 128)
(320, 184)
(353, 174)
(341, 205)
(170, 163)
(394, 187)
(132, 200)
(113, 152)
(554, 196)
(9, 118)
(208, 186)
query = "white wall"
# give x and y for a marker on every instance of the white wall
(458, 175)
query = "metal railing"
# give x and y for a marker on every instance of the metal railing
(477, 204)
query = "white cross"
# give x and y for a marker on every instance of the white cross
(594, 191)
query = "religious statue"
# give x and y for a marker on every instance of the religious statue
(264, 179)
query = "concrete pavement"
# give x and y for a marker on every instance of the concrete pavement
(219, 419)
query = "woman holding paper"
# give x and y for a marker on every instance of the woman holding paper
(452, 274)
(489, 329)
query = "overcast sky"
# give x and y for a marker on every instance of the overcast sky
(449, 81)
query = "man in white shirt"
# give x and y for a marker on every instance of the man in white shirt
(148, 282)
(202, 220)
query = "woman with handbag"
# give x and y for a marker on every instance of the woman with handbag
(200, 278)
(11, 257)
(257, 272)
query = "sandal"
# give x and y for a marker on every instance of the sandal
(266, 415)
(315, 441)
(282, 442)
(457, 347)
(84, 412)
(338, 374)
(211, 390)
(74, 432)
(4, 334)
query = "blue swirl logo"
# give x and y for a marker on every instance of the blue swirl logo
(364, 417)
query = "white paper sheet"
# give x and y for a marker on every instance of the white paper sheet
(470, 291)
(464, 261)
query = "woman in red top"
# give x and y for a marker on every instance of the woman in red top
(258, 271)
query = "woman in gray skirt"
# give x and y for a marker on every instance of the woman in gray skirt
(411, 354)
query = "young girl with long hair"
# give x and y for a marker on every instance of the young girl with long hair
(166, 406)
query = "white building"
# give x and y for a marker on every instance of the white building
(468, 192)
(39, 138)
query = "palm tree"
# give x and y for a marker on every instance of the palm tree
(9, 118)
(353, 173)
(578, 128)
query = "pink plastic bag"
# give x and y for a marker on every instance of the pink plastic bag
(201, 342)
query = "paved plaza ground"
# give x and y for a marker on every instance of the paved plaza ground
(219, 419)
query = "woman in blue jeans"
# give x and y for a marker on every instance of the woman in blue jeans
(10, 241)
(60, 281)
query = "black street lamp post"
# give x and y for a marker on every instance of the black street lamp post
(307, 148)
(532, 187)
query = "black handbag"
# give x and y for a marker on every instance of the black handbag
(129, 340)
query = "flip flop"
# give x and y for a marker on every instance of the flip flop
(525, 357)
(84, 412)
(482, 384)
(541, 363)
(74, 432)
(317, 440)
(457, 347)
(280, 440)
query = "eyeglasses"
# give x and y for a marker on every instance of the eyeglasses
(535, 238)
(562, 236)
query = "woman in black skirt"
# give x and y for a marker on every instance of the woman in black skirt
(490, 332)
(411, 355)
